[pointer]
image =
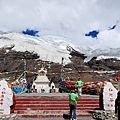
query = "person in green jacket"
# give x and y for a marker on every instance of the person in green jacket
(72, 104)
(79, 85)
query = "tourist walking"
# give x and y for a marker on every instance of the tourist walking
(79, 85)
(117, 105)
(72, 104)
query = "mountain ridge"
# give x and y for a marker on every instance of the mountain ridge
(54, 43)
(12, 59)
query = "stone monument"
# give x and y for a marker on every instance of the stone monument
(6, 102)
(108, 94)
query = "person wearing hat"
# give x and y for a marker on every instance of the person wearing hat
(72, 104)
(79, 85)
(117, 105)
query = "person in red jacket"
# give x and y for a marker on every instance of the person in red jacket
(12, 107)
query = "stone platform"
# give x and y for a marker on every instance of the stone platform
(48, 105)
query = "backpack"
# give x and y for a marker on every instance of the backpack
(71, 102)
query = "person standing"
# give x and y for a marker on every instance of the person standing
(117, 105)
(12, 107)
(72, 104)
(79, 85)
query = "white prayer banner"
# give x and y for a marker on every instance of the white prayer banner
(6, 96)
(109, 96)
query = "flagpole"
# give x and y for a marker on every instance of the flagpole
(25, 68)
(25, 63)
(118, 85)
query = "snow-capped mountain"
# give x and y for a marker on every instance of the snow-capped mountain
(47, 47)
(53, 48)
(103, 53)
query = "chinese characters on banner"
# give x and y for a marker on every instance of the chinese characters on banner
(109, 96)
(6, 95)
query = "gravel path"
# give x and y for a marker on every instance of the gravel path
(80, 118)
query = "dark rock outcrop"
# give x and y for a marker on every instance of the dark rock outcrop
(12, 61)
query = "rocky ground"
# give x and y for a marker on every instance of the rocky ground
(13, 63)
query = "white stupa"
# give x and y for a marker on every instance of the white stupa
(42, 82)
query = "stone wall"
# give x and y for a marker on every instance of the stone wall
(12, 116)
(103, 115)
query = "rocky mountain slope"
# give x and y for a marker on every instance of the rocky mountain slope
(14, 63)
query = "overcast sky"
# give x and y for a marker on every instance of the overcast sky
(68, 18)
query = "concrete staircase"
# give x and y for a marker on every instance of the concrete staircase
(52, 105)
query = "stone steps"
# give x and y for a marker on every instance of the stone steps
(49, 113)
(53, 106)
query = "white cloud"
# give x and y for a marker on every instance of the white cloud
(67, 18)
